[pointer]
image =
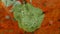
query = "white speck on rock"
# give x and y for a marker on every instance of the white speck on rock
(7, 17)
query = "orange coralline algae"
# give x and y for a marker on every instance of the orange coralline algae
(8, 26)
(50, 25)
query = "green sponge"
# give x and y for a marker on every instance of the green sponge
(29, 18)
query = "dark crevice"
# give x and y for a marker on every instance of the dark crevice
(49, 24)
(58, 20)
(43, 12)
(59, 28)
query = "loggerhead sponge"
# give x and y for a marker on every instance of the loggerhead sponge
(29, 18)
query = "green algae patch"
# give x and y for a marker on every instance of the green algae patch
(29, 18)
